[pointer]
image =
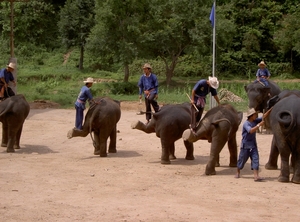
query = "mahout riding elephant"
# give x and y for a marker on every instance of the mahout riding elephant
(284, 122)
(13, 112)
(259, 95)
(169, 124)
(218, 126)
(101, 119)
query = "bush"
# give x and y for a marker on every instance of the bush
(122, 88)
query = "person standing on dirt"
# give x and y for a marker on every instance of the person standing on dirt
(262, 74)
(148, 84)
(5, 77)
(198, 99)
(84, 95)
(249, 144)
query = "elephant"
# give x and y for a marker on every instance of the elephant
(13, 112)
(168, 124)
(259, 95)
(218, 126)
(284, 122)
(101, 119)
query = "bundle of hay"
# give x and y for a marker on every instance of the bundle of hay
(227, 96)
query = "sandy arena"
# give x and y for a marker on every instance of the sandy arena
(52, 178)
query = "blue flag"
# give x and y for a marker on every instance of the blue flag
(212, 16)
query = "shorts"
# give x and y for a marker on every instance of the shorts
(244, 156)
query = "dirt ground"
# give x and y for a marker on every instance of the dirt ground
(52, 178)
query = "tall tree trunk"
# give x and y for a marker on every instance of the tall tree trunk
(126, 75)
(81, 58)
(170, 70)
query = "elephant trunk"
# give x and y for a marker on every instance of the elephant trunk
(77, 133)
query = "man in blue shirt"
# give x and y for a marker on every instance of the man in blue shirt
(84, 95)
(5, 77)
(199, 92)
(148, 84)
(249, 144)
(262, 74)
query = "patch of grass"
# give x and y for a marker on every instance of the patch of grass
(61, 84)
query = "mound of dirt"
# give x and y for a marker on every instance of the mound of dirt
(43, 104)
(227, 96)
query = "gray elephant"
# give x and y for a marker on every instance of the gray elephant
(101, 119)
(13, 112)
(259, 95)
(218, 126)
(169, 124)
(284, 122)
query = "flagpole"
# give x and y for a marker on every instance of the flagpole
(212, 100)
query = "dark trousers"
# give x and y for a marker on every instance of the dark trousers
(79, 117)
(196, 116)
(150, 101)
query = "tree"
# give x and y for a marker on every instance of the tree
(77, 18)
(172, 27)
(288, 37)
(32, 26)
(256, 24)
(114, 37)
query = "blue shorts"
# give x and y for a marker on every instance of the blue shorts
(244, 156)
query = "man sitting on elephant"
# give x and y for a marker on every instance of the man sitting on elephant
(262, 74)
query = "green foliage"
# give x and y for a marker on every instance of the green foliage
(76, 21)
(122, 88)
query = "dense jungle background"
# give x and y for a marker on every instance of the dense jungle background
(58, 43)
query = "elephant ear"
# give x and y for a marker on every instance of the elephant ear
(271, 102)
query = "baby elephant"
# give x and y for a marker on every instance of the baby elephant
(218, 126)
(169, 124)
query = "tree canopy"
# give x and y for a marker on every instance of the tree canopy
(176, 33)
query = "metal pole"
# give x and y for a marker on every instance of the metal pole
(212, 99)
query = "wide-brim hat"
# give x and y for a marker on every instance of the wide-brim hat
(213, 81)
(11, 65)
(89, 80)
(262, 63)
(147, 66)
(251, 112)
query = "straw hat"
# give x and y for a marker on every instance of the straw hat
(89, 80)
(251, 112)
(11, 65)
(262, 63)
(213, 81)
(147, 66)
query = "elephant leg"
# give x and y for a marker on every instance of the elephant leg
(285, 168)
(11, 141)
(165, 152)
(273, 157)
(103, 145)
(189, 150)
(172, 152)
(232, 147)
(18, 136)
(96, 143)
(4, 134)
(113, 141)
(216, 147)
(296, 168)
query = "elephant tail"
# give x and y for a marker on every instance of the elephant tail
(221, 120)
(286, 121)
